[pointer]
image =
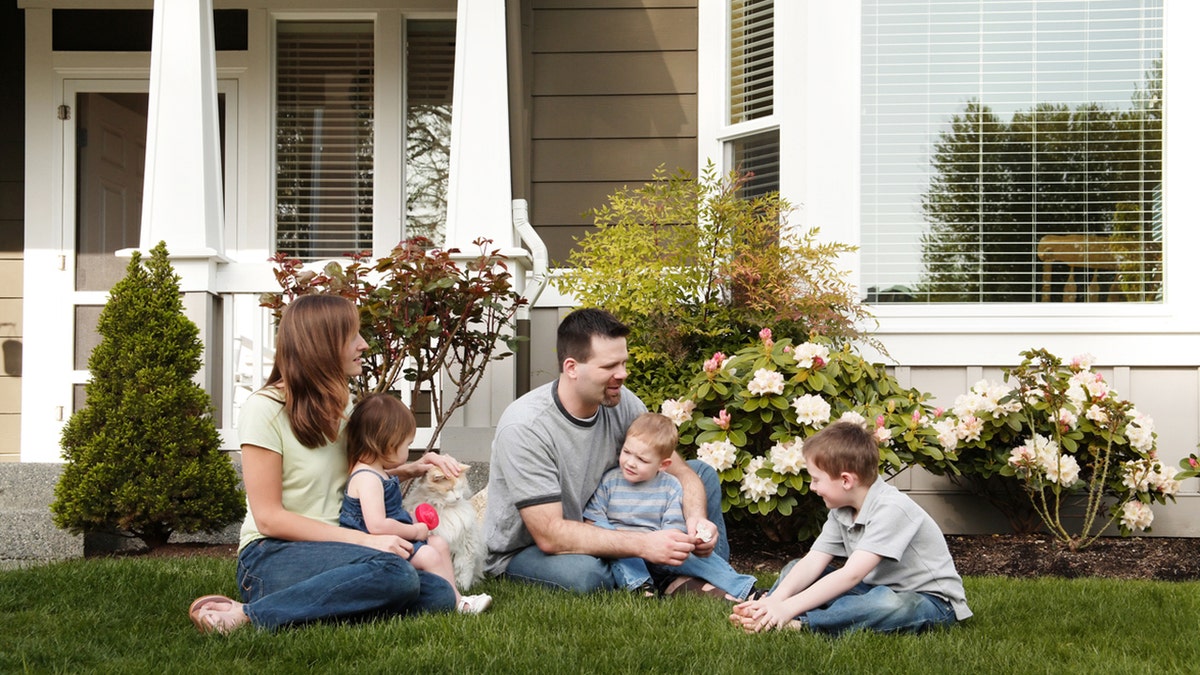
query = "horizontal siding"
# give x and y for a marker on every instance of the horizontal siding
(570, 203)
(559, 241)
(10, 438)
(614, 30)
(612, 160)
(611, 4)
(558, 117)
(618, 73)
(11, 282)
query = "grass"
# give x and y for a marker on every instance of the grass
(129, 616)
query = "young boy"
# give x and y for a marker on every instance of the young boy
(898, 574)
(638, 495)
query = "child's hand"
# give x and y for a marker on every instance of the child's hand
(422, 532)
(754, 616)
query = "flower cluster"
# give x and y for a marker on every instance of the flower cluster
(747, 415)
(1060, 430)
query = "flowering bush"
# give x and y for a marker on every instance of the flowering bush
(1190, 466)
(748, 415)
(1063, 434)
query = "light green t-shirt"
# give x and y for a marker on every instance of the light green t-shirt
(314, 479)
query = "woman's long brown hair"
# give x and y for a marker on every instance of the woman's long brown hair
(309, 361)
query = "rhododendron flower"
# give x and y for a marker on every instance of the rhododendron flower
(720, 455)
(883, 435)
(1136, 516)
(678, 411)
(1082, 361)
(1164, 480)
(1097, 414)
(1067, 420)
(714, 364)
(722, 419)
(853, 417)
(1140, 431)
(765, 336)
(811, 409)
(969, 428)
(1098, 388)
(766, 382)
(788, 458)
(1062, 469)
(1024, 459)
(757, 487)
(808, 354)
(947, 433)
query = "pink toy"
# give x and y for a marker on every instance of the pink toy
(424, 513)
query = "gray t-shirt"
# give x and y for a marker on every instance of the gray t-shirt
(541, 455)
(914, 554)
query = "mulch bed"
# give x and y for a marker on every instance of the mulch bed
(1010, 555)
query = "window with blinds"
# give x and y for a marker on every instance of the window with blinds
(324, 144)
(751, 60)
(1012, 151)
(758, 155)
(429, 70)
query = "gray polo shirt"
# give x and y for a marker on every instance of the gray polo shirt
(914, 554)
(541, 455)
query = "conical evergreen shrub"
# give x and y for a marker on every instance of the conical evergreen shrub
(143, 454)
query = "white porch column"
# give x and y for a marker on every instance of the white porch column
(182, 198)
(479, 194)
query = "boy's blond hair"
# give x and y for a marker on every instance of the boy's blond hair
(844, 447)
(656, 431)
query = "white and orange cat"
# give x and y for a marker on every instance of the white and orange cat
(460, 519)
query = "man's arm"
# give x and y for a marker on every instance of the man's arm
(555, 535)
(695, 504)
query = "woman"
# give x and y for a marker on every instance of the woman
(292, 554)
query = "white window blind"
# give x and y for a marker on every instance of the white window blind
(758, 155)
(1012, 151)
(324, 150)
(752, 60)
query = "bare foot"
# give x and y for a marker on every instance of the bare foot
(217, 614)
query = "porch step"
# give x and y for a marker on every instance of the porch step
(28, 535)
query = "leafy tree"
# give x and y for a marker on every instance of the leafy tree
(696, 266)
(143, 454)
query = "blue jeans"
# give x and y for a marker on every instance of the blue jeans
(584, 573)
(291, 582)
(876, 608)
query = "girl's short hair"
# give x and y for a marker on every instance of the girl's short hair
(844, 447)
(656, 431)
(379, 424)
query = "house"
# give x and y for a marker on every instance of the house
(322, 126)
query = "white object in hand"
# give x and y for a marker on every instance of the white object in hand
(704, 534)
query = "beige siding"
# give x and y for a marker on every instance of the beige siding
(612, 96)
(12, 225)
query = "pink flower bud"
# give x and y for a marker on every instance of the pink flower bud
(722, 419)
(818, 362)
(878, 421)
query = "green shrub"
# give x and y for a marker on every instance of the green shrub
(1082, 457)
(748, 415)
(143, 454)
(693, 266)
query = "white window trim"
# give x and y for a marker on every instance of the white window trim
(820, 173)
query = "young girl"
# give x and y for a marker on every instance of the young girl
(292, 553)
(377, 438)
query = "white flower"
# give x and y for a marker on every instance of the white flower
(1023, 458)
(766, 382)
(1098, 388)
(1136, 515)
(1140, 432)
(971, 403)
(807, 352)
(720, 455)
(678, 411)
(1163, 479)
(1063, 469)
(811, 409)
(1067, 418)
(1075, 392)
(1083, 361)
(757, 487)
(853, 418)
(883, 435)
(1135, 475)
(969, 428)
(788, 458)
(947, 433)
(1096, 414)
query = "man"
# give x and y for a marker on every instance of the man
(551, 448)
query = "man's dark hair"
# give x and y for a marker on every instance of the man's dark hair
(577, 329)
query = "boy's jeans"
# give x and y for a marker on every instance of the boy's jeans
(288, 582)
(632, 573)
(876, 608)
(585, 573)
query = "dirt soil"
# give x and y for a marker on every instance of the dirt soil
(1162, 558)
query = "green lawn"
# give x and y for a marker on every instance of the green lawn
(129, 616)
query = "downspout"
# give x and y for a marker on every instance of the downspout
(541, 267)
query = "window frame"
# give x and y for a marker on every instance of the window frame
(820, 138)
